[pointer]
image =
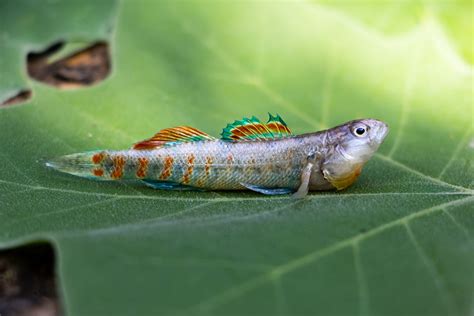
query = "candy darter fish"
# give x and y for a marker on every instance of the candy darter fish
(263, 157)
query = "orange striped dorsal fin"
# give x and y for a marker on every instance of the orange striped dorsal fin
(172, 136)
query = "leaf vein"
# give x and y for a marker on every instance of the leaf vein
(240, 289)
(444, 294)
(363, 291)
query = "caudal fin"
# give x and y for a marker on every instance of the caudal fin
(87, 165)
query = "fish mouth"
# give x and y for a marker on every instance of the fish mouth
(381, 133)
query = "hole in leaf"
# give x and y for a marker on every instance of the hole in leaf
(28, 281)
(20, 97)
(83, 67)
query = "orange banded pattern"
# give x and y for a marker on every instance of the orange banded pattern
(98, 172)
(119, 163)
(166, 173)
(98, 158)
(142, 167)
(207, 167)
(189, 171)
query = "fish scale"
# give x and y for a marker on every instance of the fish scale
(279, 164)
(263, 157)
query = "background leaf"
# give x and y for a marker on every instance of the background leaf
(397, 242)
(27, 27)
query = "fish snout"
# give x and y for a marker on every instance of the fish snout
(380, 132)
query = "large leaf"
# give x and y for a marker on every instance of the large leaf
(399, 241)
(29, 27)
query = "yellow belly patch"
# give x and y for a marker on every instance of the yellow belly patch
(343, 181)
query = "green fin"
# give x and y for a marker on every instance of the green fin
(253, 129)
(278, 126)
(172, 136)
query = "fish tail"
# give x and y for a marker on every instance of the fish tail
(90, 165)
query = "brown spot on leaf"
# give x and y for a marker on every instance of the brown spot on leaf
(28, 281)
(86, 67)
(20, 97)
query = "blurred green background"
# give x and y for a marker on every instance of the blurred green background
(398, 242)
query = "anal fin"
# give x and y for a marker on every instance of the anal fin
(167, 185)
(267, 191)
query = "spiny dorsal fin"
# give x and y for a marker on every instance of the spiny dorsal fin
(172, 136)
(278, 126)
(253, 129)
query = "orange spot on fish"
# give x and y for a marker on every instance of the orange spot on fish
(189, 170)
(142, 167)
(97, 158)
(230, 159)
(166, 173)
(119, 163)
(98, 172)
(207, 167)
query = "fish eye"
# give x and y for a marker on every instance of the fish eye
(359, 131)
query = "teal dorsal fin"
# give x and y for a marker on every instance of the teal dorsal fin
(253, 129)
(278, 126)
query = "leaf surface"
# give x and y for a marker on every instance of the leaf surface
(399, 241)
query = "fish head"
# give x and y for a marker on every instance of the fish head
(359, 140)
(351, 146)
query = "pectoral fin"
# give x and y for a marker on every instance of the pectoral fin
(313, 159)
(304, 186)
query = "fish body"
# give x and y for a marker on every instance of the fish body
(250, 155)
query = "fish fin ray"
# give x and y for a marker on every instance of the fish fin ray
(172, 136)
(278, 126)
(253, 129)
(168, 185)
(267, 191)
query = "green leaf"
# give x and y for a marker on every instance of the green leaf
(397, 17)
(26, 27)
(398, 242)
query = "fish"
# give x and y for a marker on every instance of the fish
(250, 155)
